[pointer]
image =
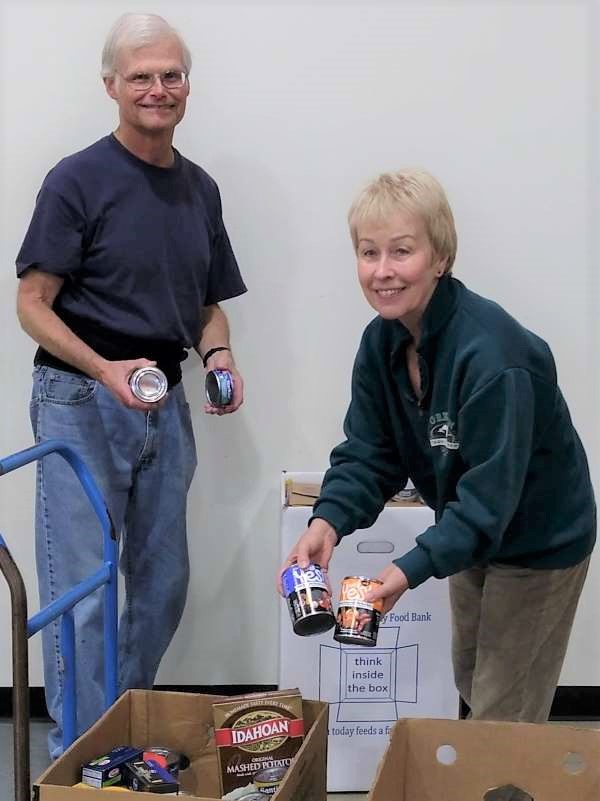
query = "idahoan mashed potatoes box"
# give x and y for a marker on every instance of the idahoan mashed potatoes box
(257, 737)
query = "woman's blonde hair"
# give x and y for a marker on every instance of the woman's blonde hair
(411, 191)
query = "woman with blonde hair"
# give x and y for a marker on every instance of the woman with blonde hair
(450, 391)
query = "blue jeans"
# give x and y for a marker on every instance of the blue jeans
(143, 464)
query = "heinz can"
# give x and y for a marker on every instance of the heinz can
(358, 620)
(308, 597)
(148, 384)
(219, 387)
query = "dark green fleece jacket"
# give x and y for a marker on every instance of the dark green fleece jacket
(490, 446)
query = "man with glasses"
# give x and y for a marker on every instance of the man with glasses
(124, 265)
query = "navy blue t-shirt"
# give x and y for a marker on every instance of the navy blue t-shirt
(142, 248)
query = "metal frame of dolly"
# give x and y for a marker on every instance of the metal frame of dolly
(22, 628)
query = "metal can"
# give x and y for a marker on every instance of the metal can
(308, 597)
(267, 781)
(219, 387)
(173, 761)
(357, 620)
(148, 384)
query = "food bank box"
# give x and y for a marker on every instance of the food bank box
(183, 722)
(449, 760)
(408, 674)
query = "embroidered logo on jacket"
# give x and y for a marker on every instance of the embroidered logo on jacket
(442, 432)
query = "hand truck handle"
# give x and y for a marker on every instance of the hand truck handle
(36, 452)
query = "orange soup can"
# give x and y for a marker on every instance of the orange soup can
(357, 620)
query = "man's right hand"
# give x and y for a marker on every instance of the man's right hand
(115, 377)
(315, 546)
(35, 298)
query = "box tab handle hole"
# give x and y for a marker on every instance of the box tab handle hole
(574, 763)
(446, 755)
(507, 792)
(378, 546)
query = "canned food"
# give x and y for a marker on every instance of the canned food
(358, 620)
(308, 597)
(148, 384)
(173, 761)
(267, 781)
(219, 387)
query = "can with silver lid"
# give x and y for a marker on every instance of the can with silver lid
(267, 781)
(148, 384)
(219, 387)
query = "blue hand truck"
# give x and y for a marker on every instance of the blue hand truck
(62, 607)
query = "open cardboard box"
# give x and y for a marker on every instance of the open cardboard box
(183, 722)
(303, 489)
(452, 760)
(412, 654)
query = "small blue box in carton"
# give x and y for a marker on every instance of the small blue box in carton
(108, 769)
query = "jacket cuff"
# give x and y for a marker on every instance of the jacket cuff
(337, 520)
(416, 566)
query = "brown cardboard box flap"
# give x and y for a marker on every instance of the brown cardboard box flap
(111, 730)
(300, 493)
(308, 780)
(183, 722)
(538, 759)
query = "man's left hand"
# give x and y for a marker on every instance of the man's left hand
(394, 585)
(223, 360)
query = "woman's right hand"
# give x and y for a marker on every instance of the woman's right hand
(315, 546)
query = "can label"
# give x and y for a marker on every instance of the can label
(358, 620)
(308, 598)
(219, 387)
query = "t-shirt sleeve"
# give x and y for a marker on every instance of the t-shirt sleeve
(224, 277)
(53, 242)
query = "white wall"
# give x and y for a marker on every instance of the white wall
(294, 106)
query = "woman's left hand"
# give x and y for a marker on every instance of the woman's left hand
(394, 584)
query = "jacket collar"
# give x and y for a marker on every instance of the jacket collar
(440, 308)
(436, 317)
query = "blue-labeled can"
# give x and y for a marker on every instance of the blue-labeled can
(173, 761)
(219, 387)
(308, 598)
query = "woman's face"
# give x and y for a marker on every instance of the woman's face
(397, 267)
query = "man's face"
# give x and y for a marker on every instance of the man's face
(156, 110)
(397, 267)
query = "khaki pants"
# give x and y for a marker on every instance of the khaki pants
(510, 629)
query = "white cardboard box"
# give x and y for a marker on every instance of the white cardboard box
(407, 674)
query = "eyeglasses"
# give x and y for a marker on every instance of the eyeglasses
(142, 81)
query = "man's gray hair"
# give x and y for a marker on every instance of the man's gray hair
(138, 30)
